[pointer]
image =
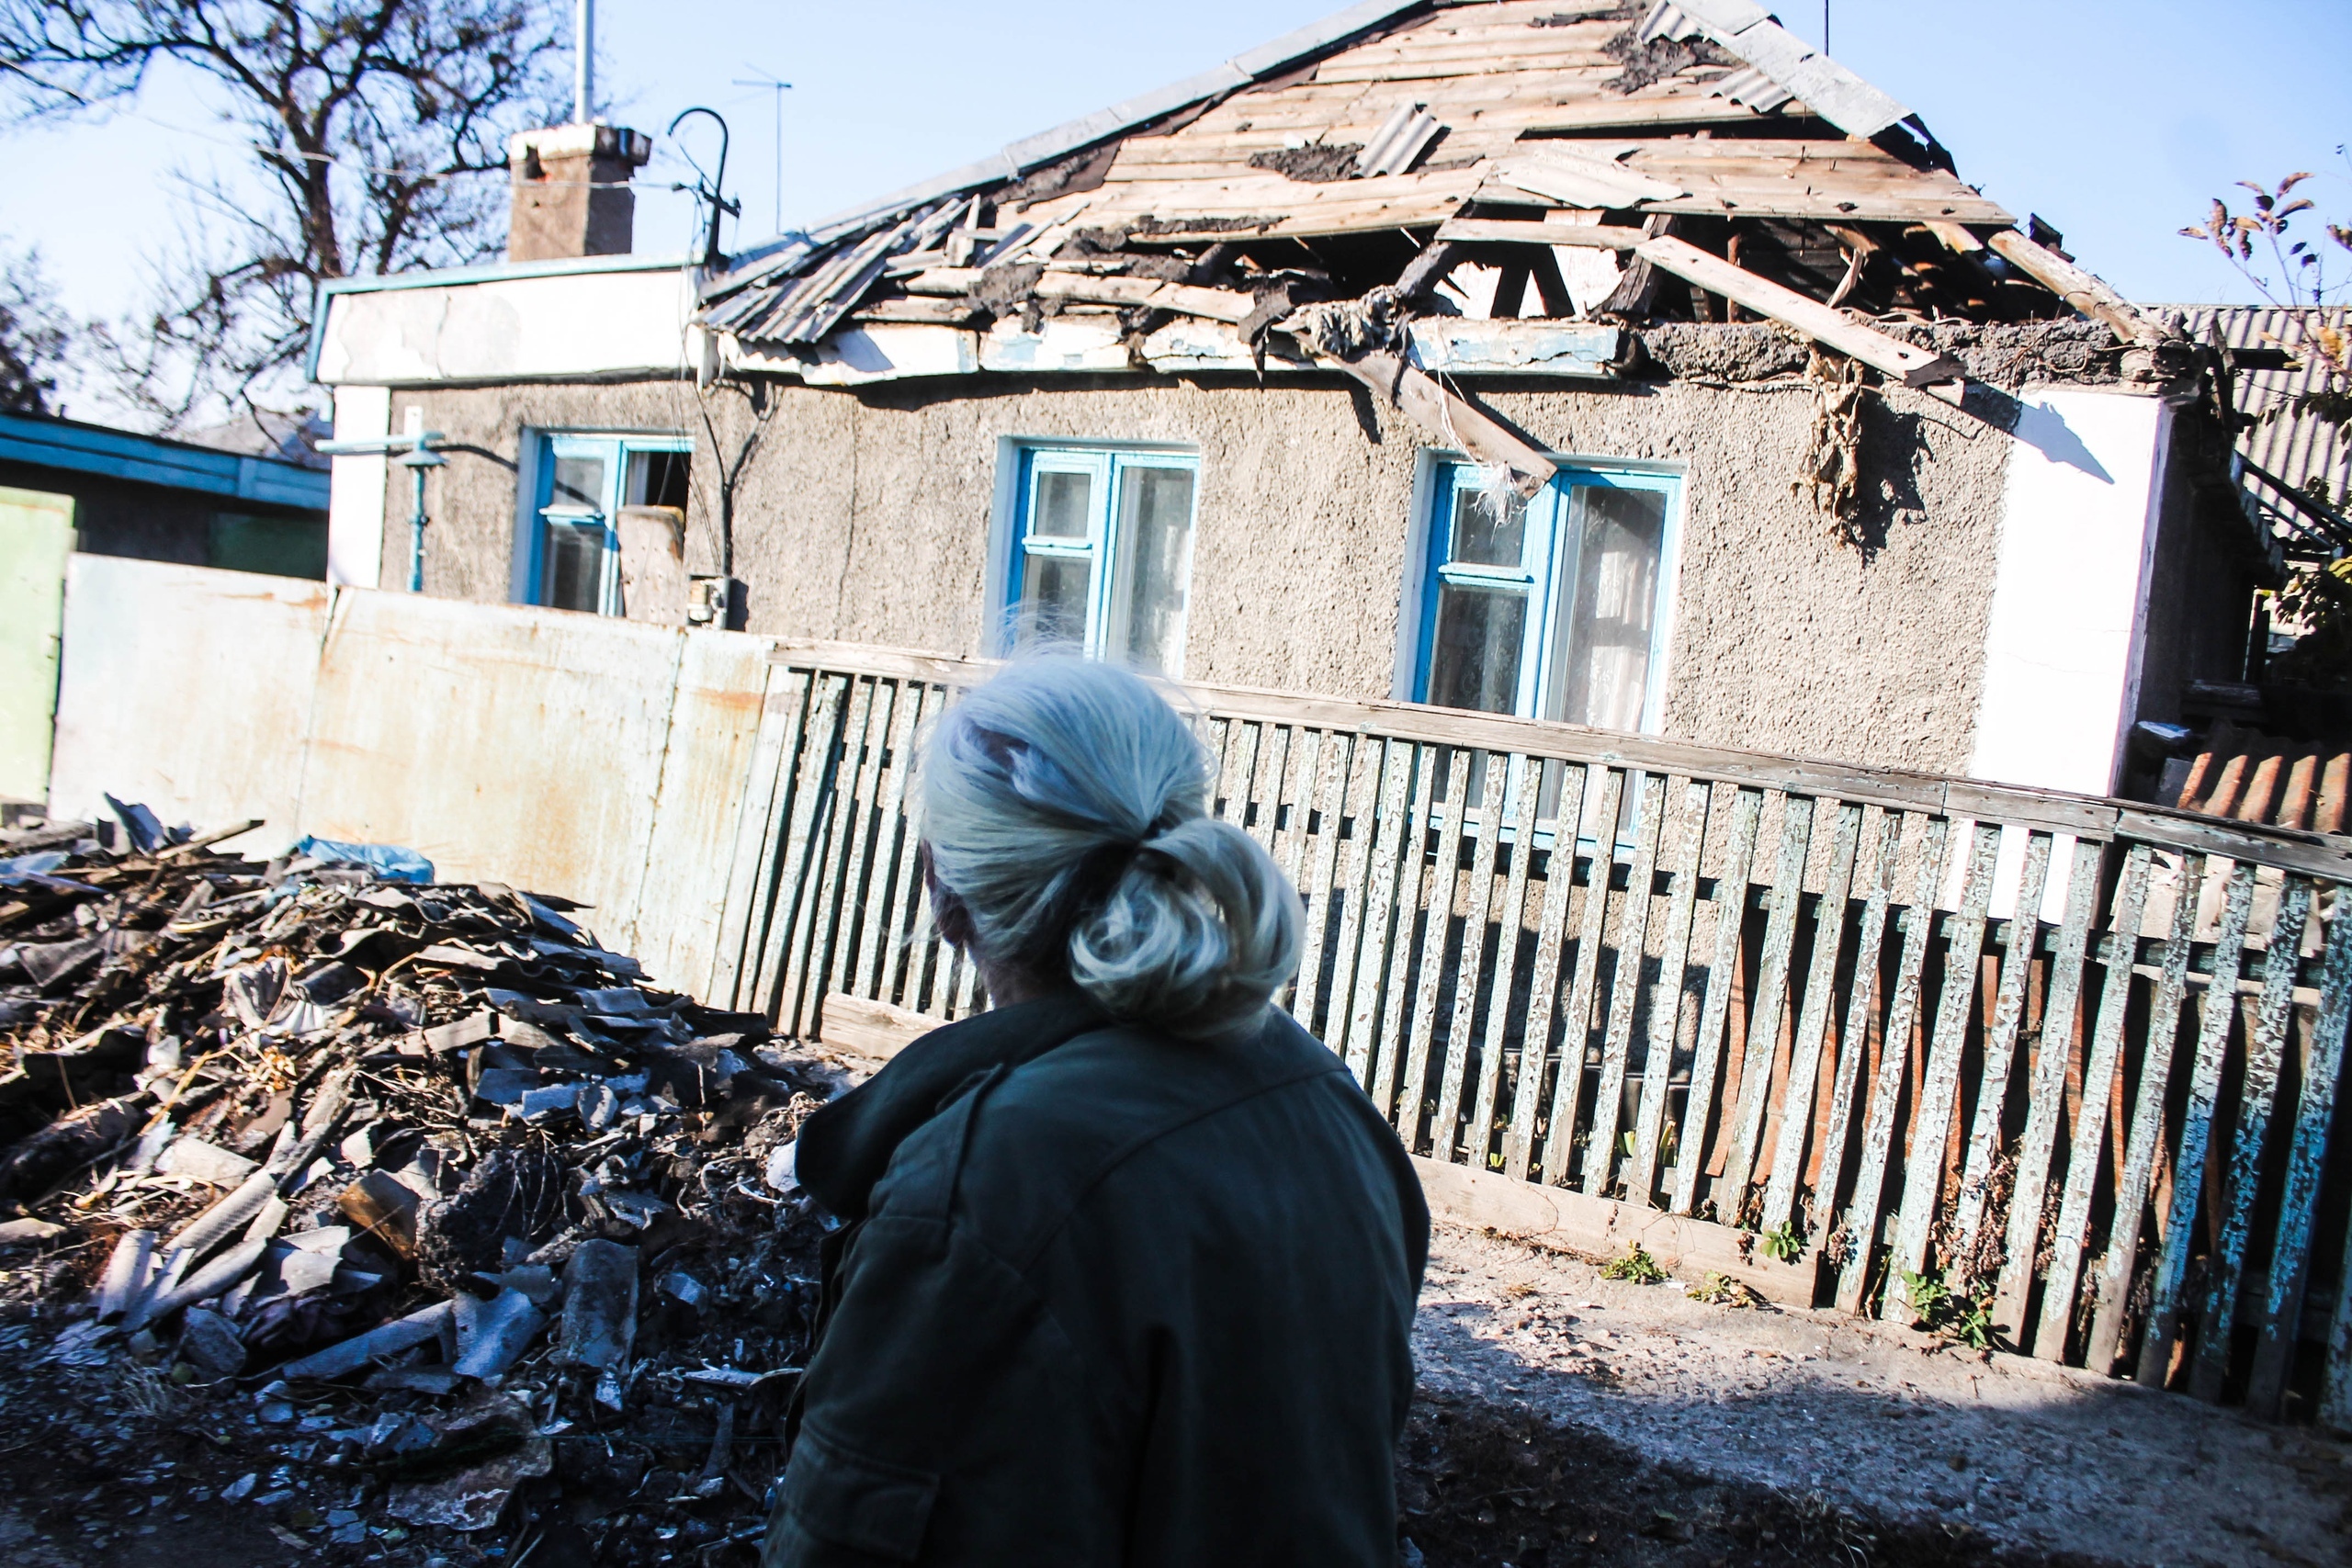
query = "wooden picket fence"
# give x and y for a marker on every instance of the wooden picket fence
(2073, 1060)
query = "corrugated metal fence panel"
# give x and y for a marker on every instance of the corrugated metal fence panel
(2073, 1060)
(187, 688)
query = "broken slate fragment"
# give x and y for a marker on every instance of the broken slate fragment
(599, 1305)
(492, 1334)
(208, 1342)
(418, 1326)
(471, 1499)
(200, 1161)
(17, 1233)
(505, 1086)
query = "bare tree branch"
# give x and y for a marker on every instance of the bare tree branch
(379, 130)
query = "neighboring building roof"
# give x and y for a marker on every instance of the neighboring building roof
(2296, 446)
(70, 445)
(290, 437)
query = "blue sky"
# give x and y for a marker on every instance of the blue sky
(2115, 121)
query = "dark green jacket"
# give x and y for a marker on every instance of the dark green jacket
(1106, 1298)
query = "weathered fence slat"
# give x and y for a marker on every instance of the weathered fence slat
(2088, 1146)
(817, 766)
(1368, 761)
(2266, 1052)
(1384, 836)
(1442, 885)
(2219, 1011)
(1317, 842)
(1544, 978)
(1484, 1114)
(1861, 1006)
(1460, 1022)
(1667, 1002)
(1575, 1018)
(1617, 1033)
(1813, 1024)
(2000, 1054)
(894, 850)
(2290, 1254)
(1939, 1096)
(2047, 1105)
(1714, 1012)
(1413, 874)
(1765, 1019)
(1861, 1218)
(2146, 1131)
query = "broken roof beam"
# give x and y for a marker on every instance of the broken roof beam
(2087, 293)
(1592, 236)
(1912, 367)
(1184, 299)
(1447, 418)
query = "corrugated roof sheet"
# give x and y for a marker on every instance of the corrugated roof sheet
(2295, 447)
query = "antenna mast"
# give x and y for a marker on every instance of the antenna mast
(583, 62)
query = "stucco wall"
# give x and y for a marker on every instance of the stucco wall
(865, 517)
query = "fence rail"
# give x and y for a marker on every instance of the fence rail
(2073, 1060)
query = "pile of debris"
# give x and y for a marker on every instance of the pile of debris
(449, 1203)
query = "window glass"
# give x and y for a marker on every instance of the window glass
(1065, 507)
(1620, 535)
(1054, 598)
(1156, 536)
(584, 480)
(575, 566)
(578, 482)
(1553, 607)
(658, 479)
(1490, 527)
(1481, 633)
(1102, 554)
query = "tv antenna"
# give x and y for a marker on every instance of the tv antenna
(707, 187)
(768, 79)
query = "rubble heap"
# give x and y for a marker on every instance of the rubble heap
(444, 1200)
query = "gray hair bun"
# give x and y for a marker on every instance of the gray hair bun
(1065, 802)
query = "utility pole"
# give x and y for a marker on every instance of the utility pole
(583, 62)
(1825, 25)
(768, 79)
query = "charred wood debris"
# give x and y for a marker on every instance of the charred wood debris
(452, 1223)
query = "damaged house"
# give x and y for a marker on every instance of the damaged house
(1633, 367)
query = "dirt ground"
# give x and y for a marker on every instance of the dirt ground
(1565, 1420)
(1739, 1421)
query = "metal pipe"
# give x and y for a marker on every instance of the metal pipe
(583, 62)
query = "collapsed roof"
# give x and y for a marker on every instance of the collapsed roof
(1358, 194)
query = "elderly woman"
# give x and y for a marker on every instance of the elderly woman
(1129, 1262)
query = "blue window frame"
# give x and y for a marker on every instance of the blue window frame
(1102, 551)
(1551, 608)
(584, 481)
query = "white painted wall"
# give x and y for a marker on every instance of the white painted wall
(356, 501)
(2070, 604)
(508, 329)
(2079, 532)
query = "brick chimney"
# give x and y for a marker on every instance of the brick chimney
(572, 195)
